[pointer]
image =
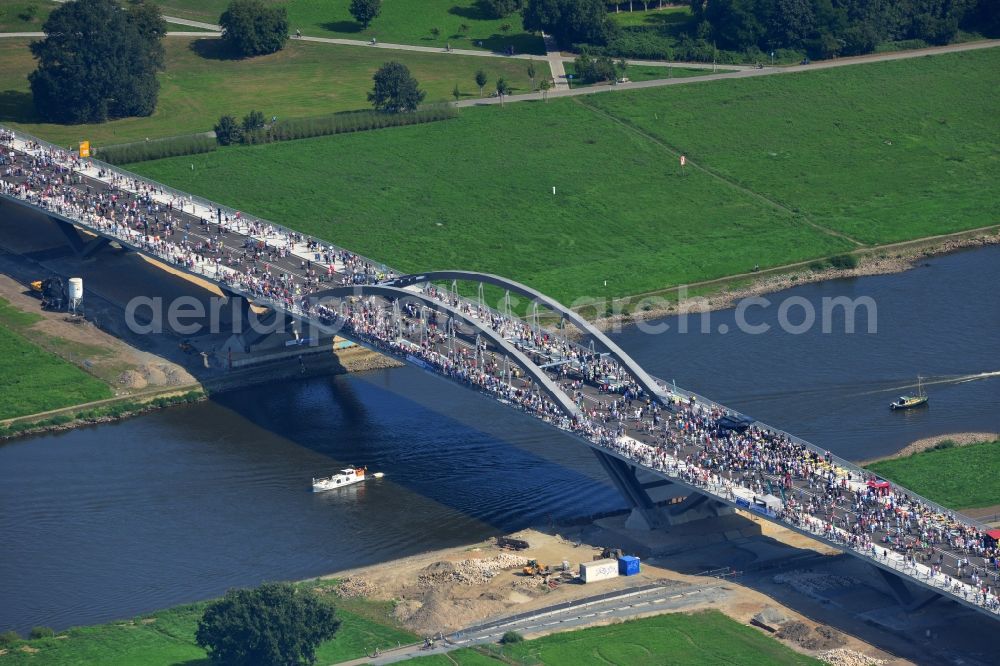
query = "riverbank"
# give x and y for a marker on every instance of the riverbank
(957, 474)
(396, 602)
(726, 292)
(920, 445)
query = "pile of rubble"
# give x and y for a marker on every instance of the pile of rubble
(814, 584)
(353, 587)
(468, 572)
(820, 638)
(845, 657)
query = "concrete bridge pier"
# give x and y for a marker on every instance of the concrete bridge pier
(84, 245)
(648, 513)
(903, 594)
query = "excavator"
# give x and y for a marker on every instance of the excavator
(535, 568)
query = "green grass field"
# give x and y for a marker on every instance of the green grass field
(476, 193)
(167, 637)
(401, 22)
(24, 15)
(959, 477)
(700, 638)
(199, 85)
(34, 380)
(881, 152)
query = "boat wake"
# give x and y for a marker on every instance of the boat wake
(952, 379)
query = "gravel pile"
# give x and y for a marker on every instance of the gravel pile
(353, 587)
(845, 657)
(469, 572)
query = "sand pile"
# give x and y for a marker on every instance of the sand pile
(132, 379)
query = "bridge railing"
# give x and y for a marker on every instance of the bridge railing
(671, 387)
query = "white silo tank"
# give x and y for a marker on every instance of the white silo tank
(76, 289)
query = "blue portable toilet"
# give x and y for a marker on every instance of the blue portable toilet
(628, 565)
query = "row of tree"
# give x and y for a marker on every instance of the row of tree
(822, 28)
(826, 28)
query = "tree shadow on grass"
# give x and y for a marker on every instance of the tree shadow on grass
(194, 662)
(214, 48)
(17, 106)
(479, 11)
(522, 42)
(343, 26)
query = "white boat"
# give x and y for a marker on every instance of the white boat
(347, 477)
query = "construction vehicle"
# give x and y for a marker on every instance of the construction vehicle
(535, 568)
(610, 554)
(51, 291)
(511, 543)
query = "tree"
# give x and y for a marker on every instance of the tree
(251, 28)
(253, 121)
(503, 88)
(464, 28)
(98, 61)
(622, 67)
(435, 32)
(531, 73)
(395, 89)
(545, 86)
(456, 93)
(570, 21)
(365, 11)
(505, 28)
(593, 70)
(228, 131)
(481, 81)
(272, 624)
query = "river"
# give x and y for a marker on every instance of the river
(116, 520)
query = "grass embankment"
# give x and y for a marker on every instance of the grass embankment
(407, 22)
(701, 638)
(199, 84)
(33, 379)
(167, 637)
(646, 73)
(791, 162)
(959, 477)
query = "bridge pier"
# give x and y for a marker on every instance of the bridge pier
(644, 514)
(902, 593)
(647, 514)
(83, 245)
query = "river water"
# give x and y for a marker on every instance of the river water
(116, 520)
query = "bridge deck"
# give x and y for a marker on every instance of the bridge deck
(822, 496)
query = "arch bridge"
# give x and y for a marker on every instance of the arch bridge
(639, 433)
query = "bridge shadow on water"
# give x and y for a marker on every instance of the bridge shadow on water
(436, 439)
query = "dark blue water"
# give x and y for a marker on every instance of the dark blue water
(111, 521)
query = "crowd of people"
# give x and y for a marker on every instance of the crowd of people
(671, 433)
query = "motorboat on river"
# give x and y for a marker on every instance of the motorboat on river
(911, 401)
(347, 477)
